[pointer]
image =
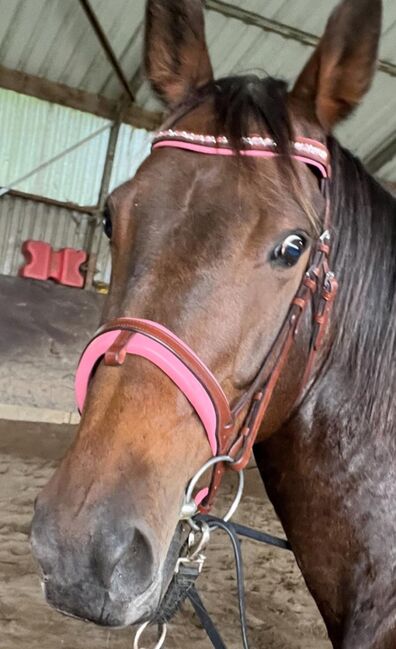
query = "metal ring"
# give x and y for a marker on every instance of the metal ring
(235, 504)
(208, 465)
(190, 508)
(142, 629)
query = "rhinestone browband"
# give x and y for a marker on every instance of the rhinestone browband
(302, 146)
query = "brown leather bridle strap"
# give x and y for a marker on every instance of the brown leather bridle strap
(318, 288)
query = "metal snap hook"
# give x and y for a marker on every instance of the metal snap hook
(194, 558)
(142, 629)
(194, 548)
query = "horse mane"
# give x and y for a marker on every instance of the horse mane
(364, 251)
(364, 257)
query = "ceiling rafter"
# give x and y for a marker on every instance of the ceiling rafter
(107, 47)
(382, 155)
(59, 93)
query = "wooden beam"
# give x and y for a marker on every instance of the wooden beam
(390, 186)
(276, 27)
(88, 210)
(107, 47)
(59, 93)
(384, 154)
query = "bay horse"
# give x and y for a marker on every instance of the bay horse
(210, 253)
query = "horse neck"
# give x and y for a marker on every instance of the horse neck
(331, 470)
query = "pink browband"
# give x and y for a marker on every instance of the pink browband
(160, 346)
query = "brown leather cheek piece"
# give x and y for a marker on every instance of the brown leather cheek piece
(318, 288)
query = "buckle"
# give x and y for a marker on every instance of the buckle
(330, 287)
(191, 567)
(241, 449)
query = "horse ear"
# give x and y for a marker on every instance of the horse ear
(176, 56)
(341, 69)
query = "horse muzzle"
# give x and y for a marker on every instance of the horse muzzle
(112, 576)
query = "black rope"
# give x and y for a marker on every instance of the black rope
(205, 619)
(233, 530)
(236, 546)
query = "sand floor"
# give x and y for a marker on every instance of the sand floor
(281, 613)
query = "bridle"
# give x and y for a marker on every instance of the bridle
(231, 428)
(231, 435)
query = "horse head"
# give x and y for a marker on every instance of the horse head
(210, 250)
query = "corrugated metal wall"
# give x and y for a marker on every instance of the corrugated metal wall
(103, 264)
(133, 146)
(32, 132)
(22, 219)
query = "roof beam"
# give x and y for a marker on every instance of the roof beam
(276, 27)
(59, 93)
(107, 48)
(389, 185)
(384, 154)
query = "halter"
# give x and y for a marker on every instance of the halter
(230, 437)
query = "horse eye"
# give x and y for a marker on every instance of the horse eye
(289, 252)
(107, 224)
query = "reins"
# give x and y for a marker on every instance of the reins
(234, 531)
(188, 570)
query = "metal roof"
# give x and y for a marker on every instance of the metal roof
(54, 40)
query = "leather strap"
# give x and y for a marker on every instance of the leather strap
(318, 284)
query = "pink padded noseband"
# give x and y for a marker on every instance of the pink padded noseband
(161, 356)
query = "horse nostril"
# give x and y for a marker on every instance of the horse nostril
(134, 568)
